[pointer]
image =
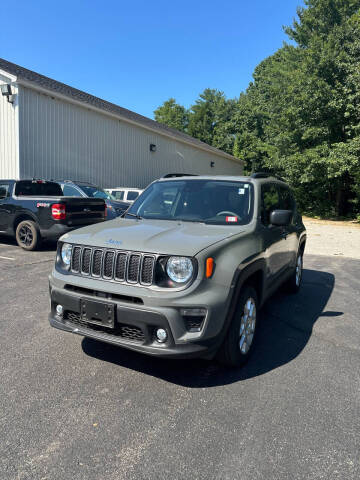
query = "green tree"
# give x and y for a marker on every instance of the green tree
(173, 115)
(210, 120)
(301, 115)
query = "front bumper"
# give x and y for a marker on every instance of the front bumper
(135, 327)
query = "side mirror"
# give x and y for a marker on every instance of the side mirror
(280, 218)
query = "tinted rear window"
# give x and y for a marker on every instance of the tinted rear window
(38, 189)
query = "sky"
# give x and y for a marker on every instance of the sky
(139, 53)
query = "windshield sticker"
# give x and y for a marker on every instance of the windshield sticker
(241, 191)
(231, 219)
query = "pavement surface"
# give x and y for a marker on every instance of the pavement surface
(326, 237)
(72, 408)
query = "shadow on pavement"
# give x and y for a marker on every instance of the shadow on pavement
(46, 246)
(286, 326)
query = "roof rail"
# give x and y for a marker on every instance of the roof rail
(173, 175)
(266, 175)
(260, 175)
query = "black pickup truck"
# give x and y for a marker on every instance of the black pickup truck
(33, 210)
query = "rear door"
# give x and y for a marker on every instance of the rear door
(275, 244)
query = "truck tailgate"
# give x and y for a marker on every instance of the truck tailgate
(81, 211)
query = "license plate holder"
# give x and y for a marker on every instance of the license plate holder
(98, 313)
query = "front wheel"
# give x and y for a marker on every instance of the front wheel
(240, 339)
(28, 235)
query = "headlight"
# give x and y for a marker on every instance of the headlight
(66, 253)
(179, 269)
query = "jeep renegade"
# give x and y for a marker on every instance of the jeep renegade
(185, 271)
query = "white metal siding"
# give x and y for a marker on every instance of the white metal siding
(8, 135)
(61, 140)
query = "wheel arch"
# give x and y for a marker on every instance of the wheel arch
(24, 216)
(302, 244)
(252, 275)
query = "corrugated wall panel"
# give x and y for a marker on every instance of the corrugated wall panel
(62, 140)
(8, 136)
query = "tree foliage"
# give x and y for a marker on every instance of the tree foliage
(173, 115)
(210, 120)
(300, 116)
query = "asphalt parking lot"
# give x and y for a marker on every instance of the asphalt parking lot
(72, 408)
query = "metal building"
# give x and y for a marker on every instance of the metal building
(50, 130)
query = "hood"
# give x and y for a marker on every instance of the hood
(153, 236)
(117, 204)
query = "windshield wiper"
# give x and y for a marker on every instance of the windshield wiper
(133, 215)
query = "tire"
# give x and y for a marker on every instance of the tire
(241, 335)
(294, 283)
(28, 235)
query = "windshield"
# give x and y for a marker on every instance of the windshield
(217, 202)
(96, 192)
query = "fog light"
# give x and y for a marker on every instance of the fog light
(161, 335)
(59, 310)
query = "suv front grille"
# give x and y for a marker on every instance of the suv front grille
(121, 266)
(86, 259)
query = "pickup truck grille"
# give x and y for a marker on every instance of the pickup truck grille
(116, 265)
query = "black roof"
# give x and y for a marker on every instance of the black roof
(73, 93)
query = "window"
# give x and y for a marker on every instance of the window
(95, 192)
(119, 195)
(270, 200)
(4, 188)
(214, 202)
(286, 199)
(70, 191)
(38, 188)
(132, 195)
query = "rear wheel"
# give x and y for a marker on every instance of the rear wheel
(28, 235)
(294, 283)
(240, 339)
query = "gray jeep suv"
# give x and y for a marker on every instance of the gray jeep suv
(185, 271)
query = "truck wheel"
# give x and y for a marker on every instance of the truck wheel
(28, 235)
(294, 282)
(240, 338)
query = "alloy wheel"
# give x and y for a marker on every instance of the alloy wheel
(247, 326)
(298, 272)
(26, 235)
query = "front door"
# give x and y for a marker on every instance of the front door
(5, 209)
(275, 238)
